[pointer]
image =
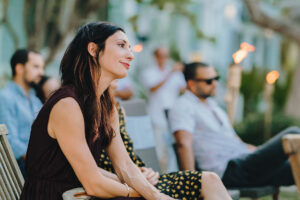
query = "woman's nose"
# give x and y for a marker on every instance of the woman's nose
(130, 55)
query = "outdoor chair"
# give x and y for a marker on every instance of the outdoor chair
(11, 179)
(291, 146)
(139, 128)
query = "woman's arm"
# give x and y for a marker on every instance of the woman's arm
(126, 170)
(109, 175)
(66, 124)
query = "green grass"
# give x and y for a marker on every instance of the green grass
(286, 193)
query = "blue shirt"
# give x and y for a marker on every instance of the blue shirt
(17, 112)
(215, 142)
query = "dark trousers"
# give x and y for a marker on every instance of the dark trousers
(267, 165)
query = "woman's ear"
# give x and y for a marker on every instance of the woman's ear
(92, 49)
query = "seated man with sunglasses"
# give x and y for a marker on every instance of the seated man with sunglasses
(205, 136)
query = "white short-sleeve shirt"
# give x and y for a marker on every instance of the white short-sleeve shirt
(165, 96)
(215, 141)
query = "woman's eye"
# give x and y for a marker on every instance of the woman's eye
(122, 45)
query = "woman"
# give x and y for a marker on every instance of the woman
(73, 125)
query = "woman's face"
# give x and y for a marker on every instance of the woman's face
(116, 57)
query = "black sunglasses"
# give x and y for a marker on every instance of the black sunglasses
(207, 81)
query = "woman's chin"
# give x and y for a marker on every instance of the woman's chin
(121, 74)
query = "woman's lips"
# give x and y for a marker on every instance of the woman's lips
(126, 65)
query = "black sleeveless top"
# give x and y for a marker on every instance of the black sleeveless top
(49, 174)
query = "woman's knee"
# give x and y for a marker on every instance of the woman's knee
(212, 187)
(210, 178)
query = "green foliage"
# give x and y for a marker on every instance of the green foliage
(174, 52)
(281, 92)
(251, 130)
(162, 3)
(178, 7)
(133, 21)
(252, 88)
(289, 62)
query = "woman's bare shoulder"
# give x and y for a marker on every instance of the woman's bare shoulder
(66, 104)
(65, 115)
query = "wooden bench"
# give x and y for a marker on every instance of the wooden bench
(291, 146)
(11, 179)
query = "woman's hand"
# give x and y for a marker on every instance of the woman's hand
(150, 175)
(133, 193)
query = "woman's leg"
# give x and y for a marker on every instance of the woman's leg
(213, 188)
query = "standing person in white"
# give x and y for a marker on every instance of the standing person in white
(164, 85)
(125, 89)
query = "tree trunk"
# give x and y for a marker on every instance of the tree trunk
(49, 23)
(289, 29)
(292, 107)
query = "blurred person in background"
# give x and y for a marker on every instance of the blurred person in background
(125, 89)
(164, 85)
(46, 87)
(19, 104)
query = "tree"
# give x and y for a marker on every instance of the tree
(6, 23)
(176, 7)
(287, 25)
(49, 22)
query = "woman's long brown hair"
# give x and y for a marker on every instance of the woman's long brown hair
(82, 71)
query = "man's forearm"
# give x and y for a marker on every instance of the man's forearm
(186, 157)
(159, 85)
(124, 94)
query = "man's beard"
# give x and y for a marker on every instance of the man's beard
(203, 95)
(30, 84)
